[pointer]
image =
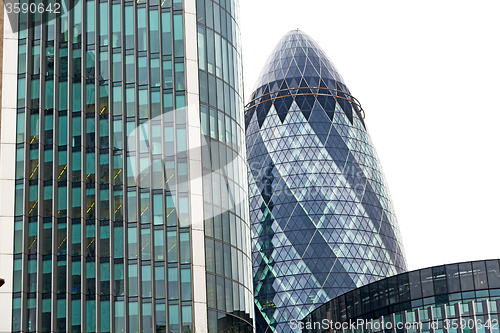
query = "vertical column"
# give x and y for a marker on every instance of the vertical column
(195, 168)
(7, 168)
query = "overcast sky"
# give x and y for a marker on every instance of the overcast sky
(427, 74)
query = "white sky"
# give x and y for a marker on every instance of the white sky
(428, 76)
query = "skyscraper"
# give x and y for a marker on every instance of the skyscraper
(123, 181)
(322, 218)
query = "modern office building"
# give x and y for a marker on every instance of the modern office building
(120, 210)
(463, 297)
(321, 215)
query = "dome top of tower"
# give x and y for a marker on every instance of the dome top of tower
(297, 61)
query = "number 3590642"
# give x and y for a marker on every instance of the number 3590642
(32, 8)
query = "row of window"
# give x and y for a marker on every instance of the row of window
(87, 17)
(143, 138)
(143, 242)
(127, 98)
(102, 316)
(153, 280)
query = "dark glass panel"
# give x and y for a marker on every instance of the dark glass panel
(453, 278)
(466, 276)
(439, 277)
(427, 284)
(415, 287)
(480, 281)
(493, 273)
(392, 284)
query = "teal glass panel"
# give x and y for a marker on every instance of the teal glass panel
(119, 316)
(105, 316)
(173, 318)
(154, 33)
(116, 25)
(133, 280)
(142, 71)
(76, 311)
(155, 72)
(171, 211)
(117, 99)
(167, 74)
(143, 102)
(103, 65)
(186, 284)
(146, 244)
(130, 99)
(132, 206)
(160, 282)
(133, 309)
(63, 95)
(147, 315)
(178, 35)
(172, 284)
(160, 318)
(118, 180)
(76, 240)
(119, 280)
(166, 35)
(103, 23)
(185, 248)
(179, 77)
(129, 27)
(117, 68)
(146, 278)
(118, 242)
(172, 246)
(187, 318)
(129, 69)
(132, 242)
(77, 96)
(156, 101)
(142, 37)
(90, 26)
(158, 209)
(91, 316)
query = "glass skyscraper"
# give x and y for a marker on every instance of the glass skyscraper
(123, 177)
(321, 215)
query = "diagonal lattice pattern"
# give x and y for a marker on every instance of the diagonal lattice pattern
(322, 218)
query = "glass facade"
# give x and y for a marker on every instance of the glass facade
(106, 170)
(227, 230)
(463, 297)
(321, 214)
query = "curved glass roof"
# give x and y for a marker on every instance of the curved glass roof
(298, 61)
(437, 285)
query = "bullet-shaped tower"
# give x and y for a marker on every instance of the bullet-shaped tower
(322, 217)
